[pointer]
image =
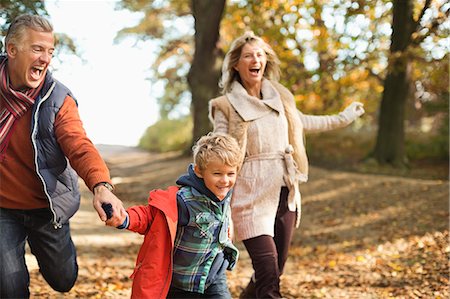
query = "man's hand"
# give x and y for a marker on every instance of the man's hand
(103, 195)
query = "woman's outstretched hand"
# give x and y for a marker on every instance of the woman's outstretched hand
(353, 111)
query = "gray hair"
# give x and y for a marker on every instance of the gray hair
(229, 74)
(17, 28)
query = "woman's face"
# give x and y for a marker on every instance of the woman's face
(251, 64)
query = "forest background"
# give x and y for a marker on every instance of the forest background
(367, 231)
(391, 55)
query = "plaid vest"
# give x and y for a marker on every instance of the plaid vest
(198, 243)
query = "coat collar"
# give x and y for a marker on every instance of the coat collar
(250, 107)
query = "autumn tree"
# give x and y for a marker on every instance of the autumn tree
(407, 31)
(205, 69)
(331, 52)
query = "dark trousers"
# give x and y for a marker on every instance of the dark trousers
(269, 254)
(217, 290)
(53, 248)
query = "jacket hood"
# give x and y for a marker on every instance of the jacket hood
(190, 179)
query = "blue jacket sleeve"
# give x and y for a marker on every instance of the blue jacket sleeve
(183, 213)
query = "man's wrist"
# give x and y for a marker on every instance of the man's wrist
(104, 184)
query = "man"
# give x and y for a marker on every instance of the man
(43, 147)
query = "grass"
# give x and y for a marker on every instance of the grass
(349, 150)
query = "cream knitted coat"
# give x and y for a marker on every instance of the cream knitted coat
(265, 129)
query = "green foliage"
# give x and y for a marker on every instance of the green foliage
(435, 144)
(168, 135)
(348, 148)
(431, 148)
(339, 148)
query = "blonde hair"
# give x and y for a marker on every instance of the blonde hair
(229, 74)
(216, 146)
(16, 30)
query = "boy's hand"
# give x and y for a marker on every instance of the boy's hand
(107, 207)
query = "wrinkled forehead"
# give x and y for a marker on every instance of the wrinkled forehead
(38, 38)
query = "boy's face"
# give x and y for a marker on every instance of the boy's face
(219, 178)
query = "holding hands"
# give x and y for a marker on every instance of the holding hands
(111, 203)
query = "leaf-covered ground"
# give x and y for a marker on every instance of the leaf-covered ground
(361, 236)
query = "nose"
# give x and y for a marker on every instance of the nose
(46, 57)
(255, 57)
(224, 179)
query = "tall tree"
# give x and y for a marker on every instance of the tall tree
(389, 147)
(206, 65)
(390, 139)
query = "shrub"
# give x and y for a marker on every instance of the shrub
(168, 135)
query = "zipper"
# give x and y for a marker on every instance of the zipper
(56, 224)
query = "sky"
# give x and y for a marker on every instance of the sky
(116, 100)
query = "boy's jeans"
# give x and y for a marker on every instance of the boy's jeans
(53, 248)
(217, 290)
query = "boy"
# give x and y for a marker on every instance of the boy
(186, 247)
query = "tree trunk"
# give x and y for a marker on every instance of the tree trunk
(389, 148)
(205, 70)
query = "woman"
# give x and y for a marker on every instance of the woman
(261, 114)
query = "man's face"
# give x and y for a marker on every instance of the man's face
(219, 178)
(29, 58)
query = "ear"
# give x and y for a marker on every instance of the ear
(11, 50)
(198, 171)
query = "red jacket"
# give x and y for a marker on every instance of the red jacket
(158, 222)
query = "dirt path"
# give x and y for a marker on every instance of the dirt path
(361, 236)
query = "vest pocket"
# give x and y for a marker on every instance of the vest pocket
(206, 224)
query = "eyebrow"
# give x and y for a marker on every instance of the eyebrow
(253, 51)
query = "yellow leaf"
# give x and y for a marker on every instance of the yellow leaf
(395, 266)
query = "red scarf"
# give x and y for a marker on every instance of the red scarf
(14, 104)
